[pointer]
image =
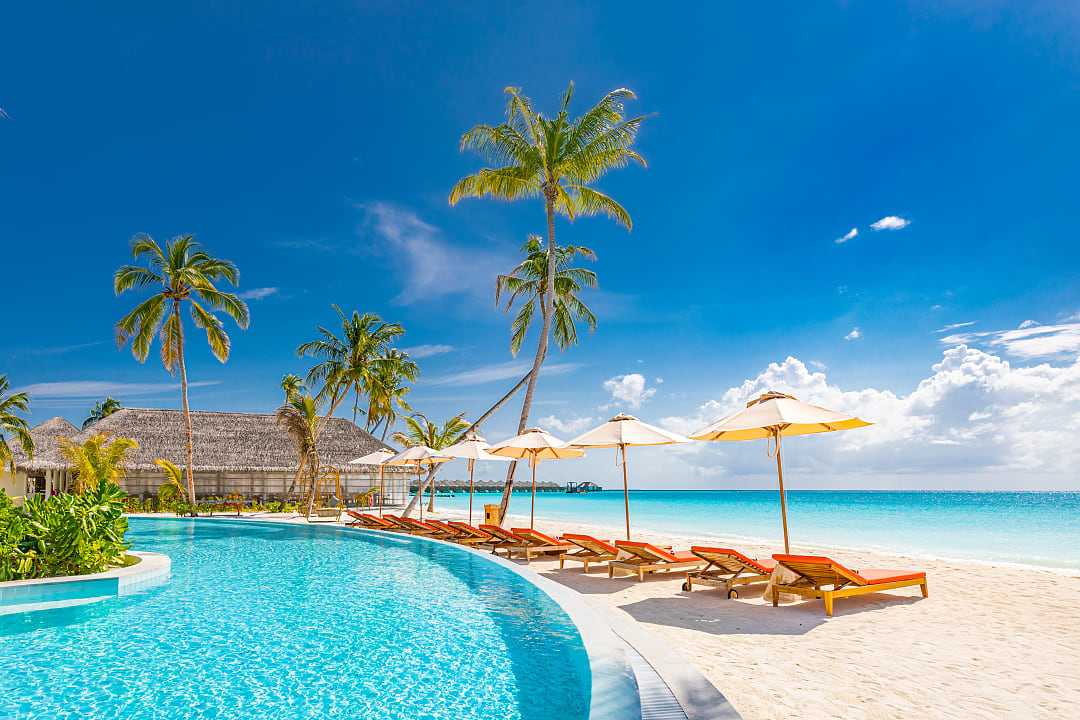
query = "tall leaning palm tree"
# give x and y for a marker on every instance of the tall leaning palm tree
(527, 282)
(555, 160)
(181, 273)
(346, 361)
(421, 431)
(12, 425)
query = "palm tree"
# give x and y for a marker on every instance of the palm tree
(421, 431)
(555, 160)
(299, 416)
(96, 459)
(173, 488)
(345, 363)
(291, 385)
(386, 389)
(13, 425)
(102, 409)
(528, 282)
(184, 272)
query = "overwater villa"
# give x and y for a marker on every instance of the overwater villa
(245, 454)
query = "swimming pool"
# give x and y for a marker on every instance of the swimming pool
(272, 620)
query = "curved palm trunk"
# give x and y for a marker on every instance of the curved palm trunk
(190, 467)
(417, 498)
(547, 307)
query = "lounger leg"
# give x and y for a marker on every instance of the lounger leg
(640, 575)
(585, 565)
(925, 589)
(610, 572)
(562, 561)
(775, 597)
(828, 598)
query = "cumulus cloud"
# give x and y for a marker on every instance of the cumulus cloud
(890, 222)
(849, 235)
(569, 426)
(422, 351)
(855, 334)
(628, 391)
(429, 266)
(975, 416)
(1027, 341)
(259, 293)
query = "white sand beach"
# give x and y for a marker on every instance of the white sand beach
(989, 642)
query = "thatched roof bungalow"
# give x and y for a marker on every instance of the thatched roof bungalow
(235, 453)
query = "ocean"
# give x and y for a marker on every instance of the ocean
(1028, 528)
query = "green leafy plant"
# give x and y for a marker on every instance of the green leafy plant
(97, 459)
(173, 491)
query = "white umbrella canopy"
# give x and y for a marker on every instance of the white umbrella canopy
(471, 448)
(417, 456)
(623, 431)
(535, 445)
(774, 415)
(379, 457)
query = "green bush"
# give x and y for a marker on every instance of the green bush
(64, 535)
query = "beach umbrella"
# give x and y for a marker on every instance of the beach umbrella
(623, 431)
(471, 448)
(535, 445)
(379, 457)
(774, 415)
(418, 456)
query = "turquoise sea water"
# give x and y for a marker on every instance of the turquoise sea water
(287, 621)
(1033, 528)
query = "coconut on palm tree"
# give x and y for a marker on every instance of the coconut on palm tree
(299, 417)
(12, 425)
(102, 409)
(421, 431)
(346, 361)
(387, 389)
(181, 273)
(96, 459)
(555, 160)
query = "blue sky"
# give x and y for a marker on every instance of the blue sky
(316, 146)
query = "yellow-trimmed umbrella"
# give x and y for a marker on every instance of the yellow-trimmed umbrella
(623, 431)
(774, 415)
(535, 445)
(379, 457)
(418, 456)
(471, 448)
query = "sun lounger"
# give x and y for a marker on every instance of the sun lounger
(814, 572)
(470, 535)
(503, 539)
(537, 543)
(369, 521)
(591, 550)
(726, 569)
(419, 527)
(407, 525)
(645, 558)
(449, 531)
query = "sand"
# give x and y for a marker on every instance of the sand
(991, 641)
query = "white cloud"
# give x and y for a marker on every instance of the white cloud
(101, 388)
(259, 293)
(890, 222)
(628, 390)
(62, 349)
(935, 308)
(422, 351)
(849, 235)
(855, 334)
(498, 371)
(955, 326)
(658, 380)
(1028, 324)
(975, 421)
(570, 426)
(429, 267)
(1032, 341)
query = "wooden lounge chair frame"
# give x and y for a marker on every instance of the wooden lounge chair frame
(503, 539)
(369, 521)
(406, 525)
(450, 532)
(470, 535)
(537, 543)
(727, 568)
(646, 558)
(592, 551)
(815, 571)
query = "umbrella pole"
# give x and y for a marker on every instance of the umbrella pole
(625, 490)
(420, 491)
(532, 508)
(381, 490)
(472, 464)
(783, 500)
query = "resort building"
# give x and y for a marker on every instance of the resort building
(245, 454)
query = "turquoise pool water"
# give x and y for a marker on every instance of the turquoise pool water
(1031, 528)
(288, 621)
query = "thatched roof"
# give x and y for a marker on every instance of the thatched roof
(224, 441)
(46, 445)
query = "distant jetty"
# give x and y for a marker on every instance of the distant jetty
(457, 486)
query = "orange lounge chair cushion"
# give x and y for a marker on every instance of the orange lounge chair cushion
(501, 533)
(530, 534)
(870, 576)
(585, 540)
(763, 566)
(680, 556)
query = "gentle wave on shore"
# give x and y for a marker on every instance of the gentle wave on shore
(1030, 528)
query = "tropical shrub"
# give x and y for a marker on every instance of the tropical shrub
(97, 459)
(66, 534)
